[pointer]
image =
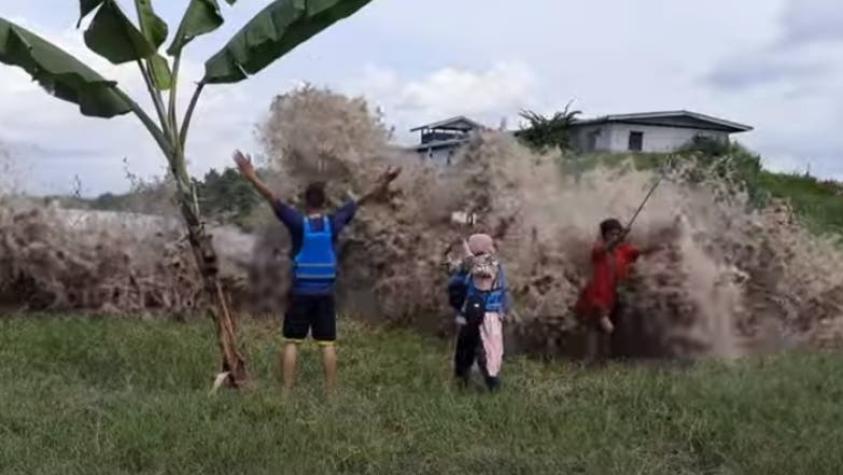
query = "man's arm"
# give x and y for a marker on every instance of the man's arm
(380, 186)
(244, 164)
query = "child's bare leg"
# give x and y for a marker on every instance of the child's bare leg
(606, 324)
(592, 345)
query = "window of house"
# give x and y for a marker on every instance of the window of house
(591, 146)
(636, 141)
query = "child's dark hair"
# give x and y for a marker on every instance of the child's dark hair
(314, 195)
(609, 225)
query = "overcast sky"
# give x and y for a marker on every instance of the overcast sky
(774, 64)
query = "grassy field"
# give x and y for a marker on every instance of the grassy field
(819, 203)
(123, 396)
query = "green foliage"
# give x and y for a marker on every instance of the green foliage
(819, 203)
(227, 197)
(272, 33)
(710, 147)
(59, 73)
(547, 133)
(223, 197)
(155, 30)
(731, 164)
(86, 7)
(120, 396)
(113, 36)
(153, 27)
(728, 162)
(201, 17)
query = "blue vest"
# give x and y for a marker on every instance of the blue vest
(316, 260)
(495, 298)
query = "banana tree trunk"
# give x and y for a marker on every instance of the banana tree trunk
(219, 304)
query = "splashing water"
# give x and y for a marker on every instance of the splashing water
(730, 280)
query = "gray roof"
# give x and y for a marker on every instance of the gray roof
(664, 118)
(459, 122)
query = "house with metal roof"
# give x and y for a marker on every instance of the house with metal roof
(439, 141)
(654, 132)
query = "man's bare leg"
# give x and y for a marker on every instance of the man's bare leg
(329, 366)
(288, 364)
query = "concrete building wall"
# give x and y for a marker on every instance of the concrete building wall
(656, 139)
(439, 156)
(592, 138)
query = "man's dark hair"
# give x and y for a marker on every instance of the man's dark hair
(314, 195)
(610, 225)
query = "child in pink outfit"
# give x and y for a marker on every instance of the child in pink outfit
(478, 293)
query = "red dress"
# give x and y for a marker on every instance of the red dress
(598, 297)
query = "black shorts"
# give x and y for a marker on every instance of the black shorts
(313, 313)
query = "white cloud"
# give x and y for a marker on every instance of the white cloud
(487, 95)
(453, 91)
(769, 63)
(787, 84)
(57, 143)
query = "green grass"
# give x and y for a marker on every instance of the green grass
(819, 203)
(122, 396)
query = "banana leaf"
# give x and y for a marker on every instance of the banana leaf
(113, 36)
(272, 33)
(155, 31)
(151, 25)
(201, 17)
(62, 75)
(86, 7)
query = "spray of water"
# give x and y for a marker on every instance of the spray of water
(730, 281)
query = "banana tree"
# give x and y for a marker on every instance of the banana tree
(273, 32)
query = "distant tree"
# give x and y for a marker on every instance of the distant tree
(226, 197)
(106, 201)
(543, 133)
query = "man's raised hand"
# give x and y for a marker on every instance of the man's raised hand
(389, 175)
(244, 164)
(381, 184)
